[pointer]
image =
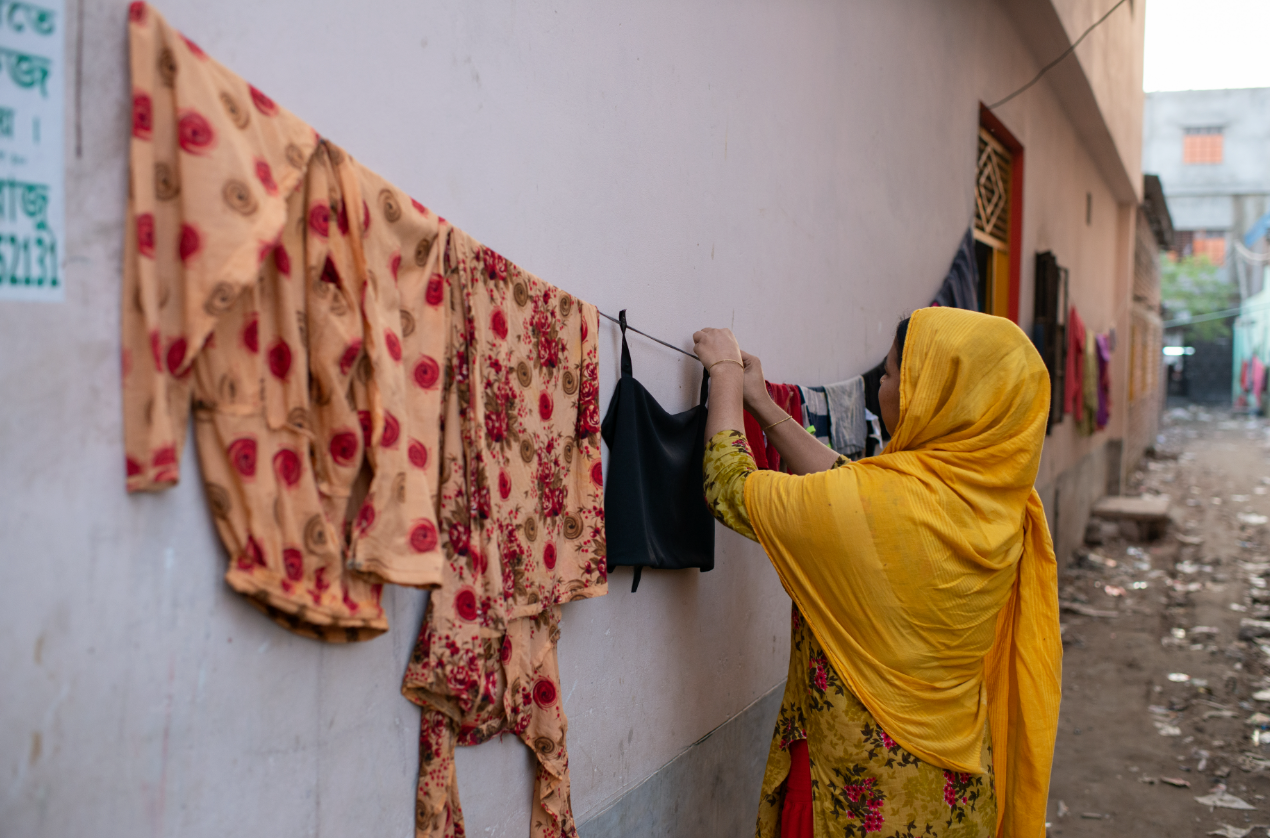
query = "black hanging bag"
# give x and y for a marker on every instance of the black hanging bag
(655, 510)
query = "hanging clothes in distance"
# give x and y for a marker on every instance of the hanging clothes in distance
(872, 381)
(1258, 381)
(847, 417)
(656, 514)
(321, 323)
(1089, 391)
(788, 399)
(1074, 378)
(875, 440)
(960, 288)
(1103, 344)
(816, 412)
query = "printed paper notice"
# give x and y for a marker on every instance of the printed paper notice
(32, 122)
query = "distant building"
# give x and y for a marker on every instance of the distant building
(1209, 149)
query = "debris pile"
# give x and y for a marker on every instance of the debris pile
(1169, 601)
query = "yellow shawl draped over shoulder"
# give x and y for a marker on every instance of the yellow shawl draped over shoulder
(927, 572)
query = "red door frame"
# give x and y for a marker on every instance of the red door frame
(988, 120)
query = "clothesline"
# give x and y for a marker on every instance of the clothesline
(650, 337)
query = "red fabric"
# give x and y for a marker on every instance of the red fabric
(1074, 389)
(758, 443)
(1258, 380)
(787, 398)
(796, 821)
(1244, 381)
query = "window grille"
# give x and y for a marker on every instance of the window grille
(992, 190)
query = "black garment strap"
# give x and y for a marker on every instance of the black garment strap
(639, 569)
(626, 358)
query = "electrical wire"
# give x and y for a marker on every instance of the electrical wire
(1215, 315)
(1051, 65)
(650, 337)
(1250, 256)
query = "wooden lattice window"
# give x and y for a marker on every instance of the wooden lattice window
(1202, 145)
(994, 175)
(992, 191)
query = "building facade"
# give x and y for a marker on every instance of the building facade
(1147, 388)
(801, 173)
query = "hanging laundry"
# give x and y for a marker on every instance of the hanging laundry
(757, 439)
(960, 288)
(873, 381)
(328, 339)
(788, 399)
(1258, 381)
(846, 417)
(1089, 389)
(816, 412)
(247, 295)
(875, 442)
(1074, 376)
(656, 514)
(523, 524)
(1103, 343)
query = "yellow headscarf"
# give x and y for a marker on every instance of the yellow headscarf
(927, 573)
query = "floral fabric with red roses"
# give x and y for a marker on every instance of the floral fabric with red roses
(863, 782)
(522, 526)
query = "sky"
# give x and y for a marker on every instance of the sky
(1206, 44)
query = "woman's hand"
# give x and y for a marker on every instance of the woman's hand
(718, 346)
(755, 385)
(714, 345)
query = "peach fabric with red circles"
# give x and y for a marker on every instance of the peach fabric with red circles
(264, 285)
(522, 521)
(323, 325)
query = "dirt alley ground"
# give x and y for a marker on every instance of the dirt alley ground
(1166, 670)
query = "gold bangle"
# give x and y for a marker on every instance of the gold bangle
(727, 360)
(777, 422)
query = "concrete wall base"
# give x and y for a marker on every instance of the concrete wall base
(710, 789)
(1070, 497)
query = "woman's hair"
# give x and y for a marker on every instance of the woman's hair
(901, 332)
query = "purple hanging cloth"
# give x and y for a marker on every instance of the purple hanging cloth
(1104, 382)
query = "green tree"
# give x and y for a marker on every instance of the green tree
(1193, 286)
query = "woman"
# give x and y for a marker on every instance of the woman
(925, 655)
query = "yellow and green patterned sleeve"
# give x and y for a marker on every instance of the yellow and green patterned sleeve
(728, 462)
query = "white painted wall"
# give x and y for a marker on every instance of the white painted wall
(801, 172)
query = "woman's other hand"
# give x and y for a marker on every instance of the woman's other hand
(714, 345)
(755, 385)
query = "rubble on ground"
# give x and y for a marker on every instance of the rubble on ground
(1182, 563)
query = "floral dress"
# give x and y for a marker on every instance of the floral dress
(862, 781)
